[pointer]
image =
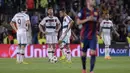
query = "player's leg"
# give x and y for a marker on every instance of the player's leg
(18, 54)
(54, 43)
(62, 45)
(92, 45)
(83, 55)
(18, 49)
(49, 47)
(22, 52)
(68, 49)
(68, 55)
(50, 51)
(107, 42)
(23, 45)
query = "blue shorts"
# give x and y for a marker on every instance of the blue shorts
(88, 43)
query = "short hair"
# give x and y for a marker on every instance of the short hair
(63, 10)
(49, 8)
(23, 8)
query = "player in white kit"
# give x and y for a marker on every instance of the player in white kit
(22, 22)
(51, 26)
(105, 29)
(65, 37)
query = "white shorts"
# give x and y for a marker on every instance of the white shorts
(51, 39)
(65, 41)
(22, 38)
(106, 39)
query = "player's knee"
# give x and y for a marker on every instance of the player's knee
(67, 47)
(49, 45)
(93, 52)
(23, 46)
(106, 46)
(54, 46)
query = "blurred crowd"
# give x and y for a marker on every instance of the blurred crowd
(119, 11)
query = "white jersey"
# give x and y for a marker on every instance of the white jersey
(50, 23)
(20, 20)
(106, 26)
(66, 22)
(66, 38)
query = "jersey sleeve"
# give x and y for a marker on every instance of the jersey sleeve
(112, 24)
(42, 22)
(80, 14)
(68, 19)
(14, 19)
(27, 18)
(101, 24)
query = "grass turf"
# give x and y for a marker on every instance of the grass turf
(41, 65)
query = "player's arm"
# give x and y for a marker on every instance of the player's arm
(82, 21)
(71, 22)
(58, 24)
(79, 21)
(100, 29)
(12, 23)
(115, 30)
(42, 23)
(27, 22)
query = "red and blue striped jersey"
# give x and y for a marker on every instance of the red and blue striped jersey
(89, 28)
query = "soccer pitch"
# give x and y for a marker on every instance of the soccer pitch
(41, 65)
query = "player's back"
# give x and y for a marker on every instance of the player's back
(106, 26)
(20, 20)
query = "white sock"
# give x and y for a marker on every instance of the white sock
(50, 54)
(18, 57)
(63, 52)
(68, 55)
(22, 55)
(107, 51)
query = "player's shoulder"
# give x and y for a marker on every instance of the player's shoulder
(46, 18)
(55, 17)
(110, 20)
(26, 15)
(104, 20)
(17, 14)
(67, 17)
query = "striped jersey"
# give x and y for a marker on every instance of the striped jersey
(66, 22)
(50, 23)
(106, 26)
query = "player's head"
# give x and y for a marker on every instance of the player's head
(50, 11)
(107, 16)
(23, 8)
(62, 12)
(91, 2)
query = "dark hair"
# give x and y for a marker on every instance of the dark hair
(49, 8)
(23, 8)
(63, 10)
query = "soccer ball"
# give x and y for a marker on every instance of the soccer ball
(53, 59)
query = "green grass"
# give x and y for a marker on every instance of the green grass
(41, 65)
